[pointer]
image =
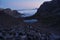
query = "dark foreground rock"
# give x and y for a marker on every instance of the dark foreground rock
(26, 33)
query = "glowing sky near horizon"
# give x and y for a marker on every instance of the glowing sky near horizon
(21, 4)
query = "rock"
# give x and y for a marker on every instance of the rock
(7, 18)
(13, 13)
(48, 15)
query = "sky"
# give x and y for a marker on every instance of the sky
(21, 4)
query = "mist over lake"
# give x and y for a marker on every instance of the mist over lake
(28, 12)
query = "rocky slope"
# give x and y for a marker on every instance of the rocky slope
(48, 15)
(9, 17)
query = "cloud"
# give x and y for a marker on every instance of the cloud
(25, 4)
(21, 4)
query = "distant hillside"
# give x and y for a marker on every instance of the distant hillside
(9, 17)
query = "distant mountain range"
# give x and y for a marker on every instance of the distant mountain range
(27, 9)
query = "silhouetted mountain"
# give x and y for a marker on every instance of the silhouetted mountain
(48, 15)
(9, 17)
(13, 13)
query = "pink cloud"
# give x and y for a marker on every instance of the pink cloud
(25, 4)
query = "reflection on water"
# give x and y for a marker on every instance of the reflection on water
(31, 21)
